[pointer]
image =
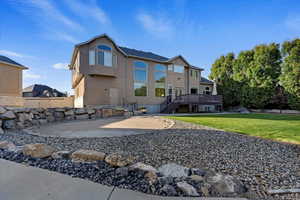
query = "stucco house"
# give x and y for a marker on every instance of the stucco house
(104, 73)
(10, 77)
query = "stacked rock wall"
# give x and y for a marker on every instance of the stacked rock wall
(20, 118)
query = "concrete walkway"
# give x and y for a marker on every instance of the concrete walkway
(19, 182)
(105, 127)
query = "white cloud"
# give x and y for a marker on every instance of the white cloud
(88, 9)
(48, 10)
(61, 66)
(293, 22)
(31, 75)
(14, 54)
(66, 37)
(157, 26)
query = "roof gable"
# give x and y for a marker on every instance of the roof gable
(6, 60)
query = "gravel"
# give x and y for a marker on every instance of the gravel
(260, 164)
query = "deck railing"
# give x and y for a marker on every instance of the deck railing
(199, 99)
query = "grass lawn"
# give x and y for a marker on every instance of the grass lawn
(279, 127)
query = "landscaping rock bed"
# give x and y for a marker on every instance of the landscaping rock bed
(119, 169)
(258, 164)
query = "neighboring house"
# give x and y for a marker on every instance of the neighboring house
(104, 73)
(37, 90)
(206, 86)
(10, 77)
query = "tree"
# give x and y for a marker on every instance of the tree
(222, 74)
(290, 77)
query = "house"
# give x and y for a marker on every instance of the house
(37, 90)
(206, 86)
(10, 77)
(104, 73)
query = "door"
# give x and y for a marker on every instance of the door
(114, 96)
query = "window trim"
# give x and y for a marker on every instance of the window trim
(147, 79)
(95, 49)
(165, 82)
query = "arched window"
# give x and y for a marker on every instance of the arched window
(101, 55)
(140, 70)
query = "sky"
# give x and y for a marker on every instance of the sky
(41, 34)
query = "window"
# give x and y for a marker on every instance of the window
(207, 90)
(170, 68)
(101, 55)
(194, 91)
(194, 74)
(140, 78)
(178, 68)
(160, 80)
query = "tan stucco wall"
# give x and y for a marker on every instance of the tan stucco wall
(10, 80)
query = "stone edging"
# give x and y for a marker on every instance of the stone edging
(121, 169)
(21, 118)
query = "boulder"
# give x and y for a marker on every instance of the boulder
(119, 159)
(168, 190)
(43, 121)
(1, 131)
(59, 115)
(107, 112)
(151, 177)
(2, 110)
(69, 113)
(61, 155)
(98, 113)
(81, 117)
(7, 146)
(8, 115)
(225, 185)
(80, 111)
(173, 170)
(38, 150)
(60, 109)
(196, 178)
(187, 189)
(84, 155)
(9, 124)
(90, 111)
(22, 117)
(142, 167)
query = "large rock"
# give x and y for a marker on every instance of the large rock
(80, 111)
(83, 155)
(225, 185)
(22, 117)
(69, 113)
(91, 111)
(7, 146)
(9, 124)
(1, 131)
(142, 167)
(119, 159)
(2, 110)
(107, 112)
(59, 115)
(81, 117)
(187, 189)
(38, 150)
(8, 115)
(174, 170)
(151, 177)
(168, 190)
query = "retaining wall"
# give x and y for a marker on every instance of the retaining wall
(20, 118)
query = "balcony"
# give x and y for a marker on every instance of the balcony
(102, 71)
(199, 99)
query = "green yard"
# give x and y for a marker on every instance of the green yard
(284, 128)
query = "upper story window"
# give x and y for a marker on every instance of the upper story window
(194, 74)
(207, 90)
(179, 68)
(101, 55)
(160, 80)
(140, 70)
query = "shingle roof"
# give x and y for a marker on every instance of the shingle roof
(8, 60)
(205, 80)
(38, 90)
(143, 54)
